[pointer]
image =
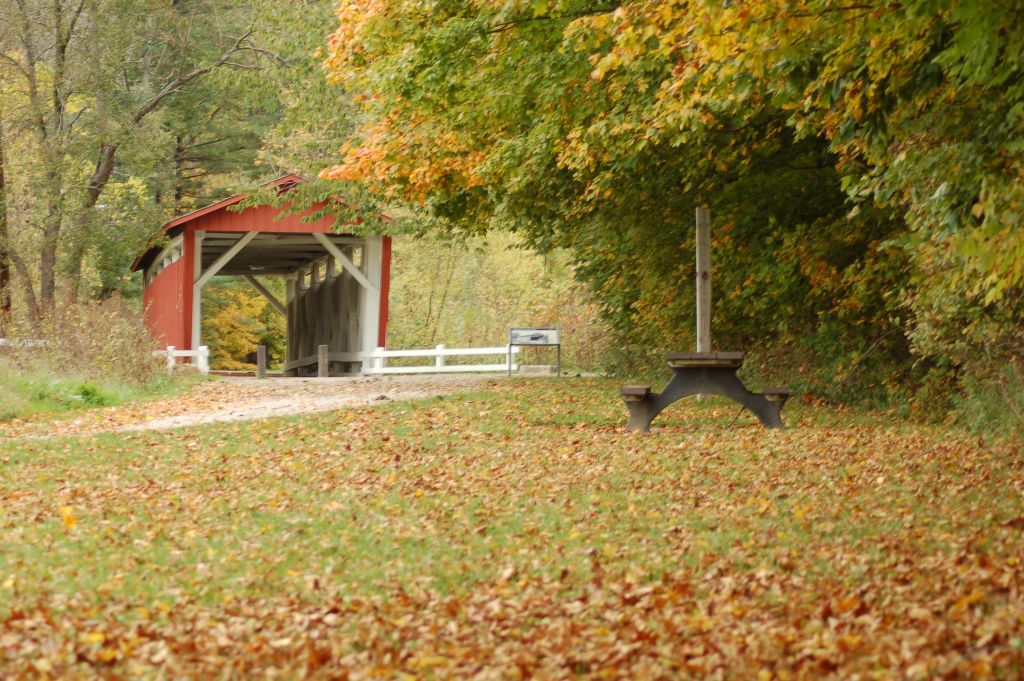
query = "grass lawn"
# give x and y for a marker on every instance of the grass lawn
(35, 392)
(515, 532)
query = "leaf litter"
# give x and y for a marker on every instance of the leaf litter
(515, 532)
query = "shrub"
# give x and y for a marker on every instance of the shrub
(992, 404)
(102, 340)
(95, 354)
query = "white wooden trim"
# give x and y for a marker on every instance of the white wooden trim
(170, 254)
(200, 357)
(345, 262)
(442, 351)
(25, 343)
(225, 258)
(373, 362)
(456, 369)
(271, 298)
(369, 298)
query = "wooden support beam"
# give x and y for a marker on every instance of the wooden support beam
(224, 259)
(369, 303)
(703, 282)
(271, 298)
(345, 262)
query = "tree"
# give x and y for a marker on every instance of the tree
(855, 155)
(605, 148)
(93, 77)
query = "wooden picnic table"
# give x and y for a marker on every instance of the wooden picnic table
(702, 373)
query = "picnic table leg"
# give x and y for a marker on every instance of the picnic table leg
(640, 416)
(689, 381)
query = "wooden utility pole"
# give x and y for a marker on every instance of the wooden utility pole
(5, 261)
(703, 282)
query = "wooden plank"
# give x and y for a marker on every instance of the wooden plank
(261, 361)
(322, 362)
(703, 281)
(197, 291)
(369, 303)
(309, 360)
(703, 355)
(225, 258)
(456, 369)
(271, 298)
(448, 352)
(347, 264)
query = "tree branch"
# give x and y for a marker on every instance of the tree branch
(175, 85)
(506, 25)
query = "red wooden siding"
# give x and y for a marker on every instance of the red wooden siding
(164, 306)
(258, 219)
(188, 259)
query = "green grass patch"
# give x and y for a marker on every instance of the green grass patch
(33, 392)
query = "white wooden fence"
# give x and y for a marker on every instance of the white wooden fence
(24, 343)
(200, 358)
(376, 362)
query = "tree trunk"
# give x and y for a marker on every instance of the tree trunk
(51, 240)
(100, 176)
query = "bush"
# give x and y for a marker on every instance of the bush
(95, 354)
(992, 404)
(102, 341)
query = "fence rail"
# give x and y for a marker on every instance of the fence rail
(376, 362)
(200, 358)
(24, 343)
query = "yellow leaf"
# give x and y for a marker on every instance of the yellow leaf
(428, 662)
(93, 637)
(67, 516)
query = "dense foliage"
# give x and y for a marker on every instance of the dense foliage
(862, 162)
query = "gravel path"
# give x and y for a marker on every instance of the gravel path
(242, 399)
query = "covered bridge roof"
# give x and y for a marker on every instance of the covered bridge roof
(276, 224)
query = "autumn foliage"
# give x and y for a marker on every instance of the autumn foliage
(491, 535)
(862, 163)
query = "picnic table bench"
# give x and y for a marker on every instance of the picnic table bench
(707, 373)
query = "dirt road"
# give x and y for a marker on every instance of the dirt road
(240, 399)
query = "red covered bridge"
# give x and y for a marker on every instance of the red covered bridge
(337, 284)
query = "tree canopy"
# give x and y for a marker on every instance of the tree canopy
(858, 157)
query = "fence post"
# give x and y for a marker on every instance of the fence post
(322, 362)
(203, 359)
(439, 359)
(170, 359)
(378, 363)
(261, 361)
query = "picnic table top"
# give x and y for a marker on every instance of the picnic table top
(704, 359)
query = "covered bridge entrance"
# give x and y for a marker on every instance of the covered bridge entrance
(337, 284)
